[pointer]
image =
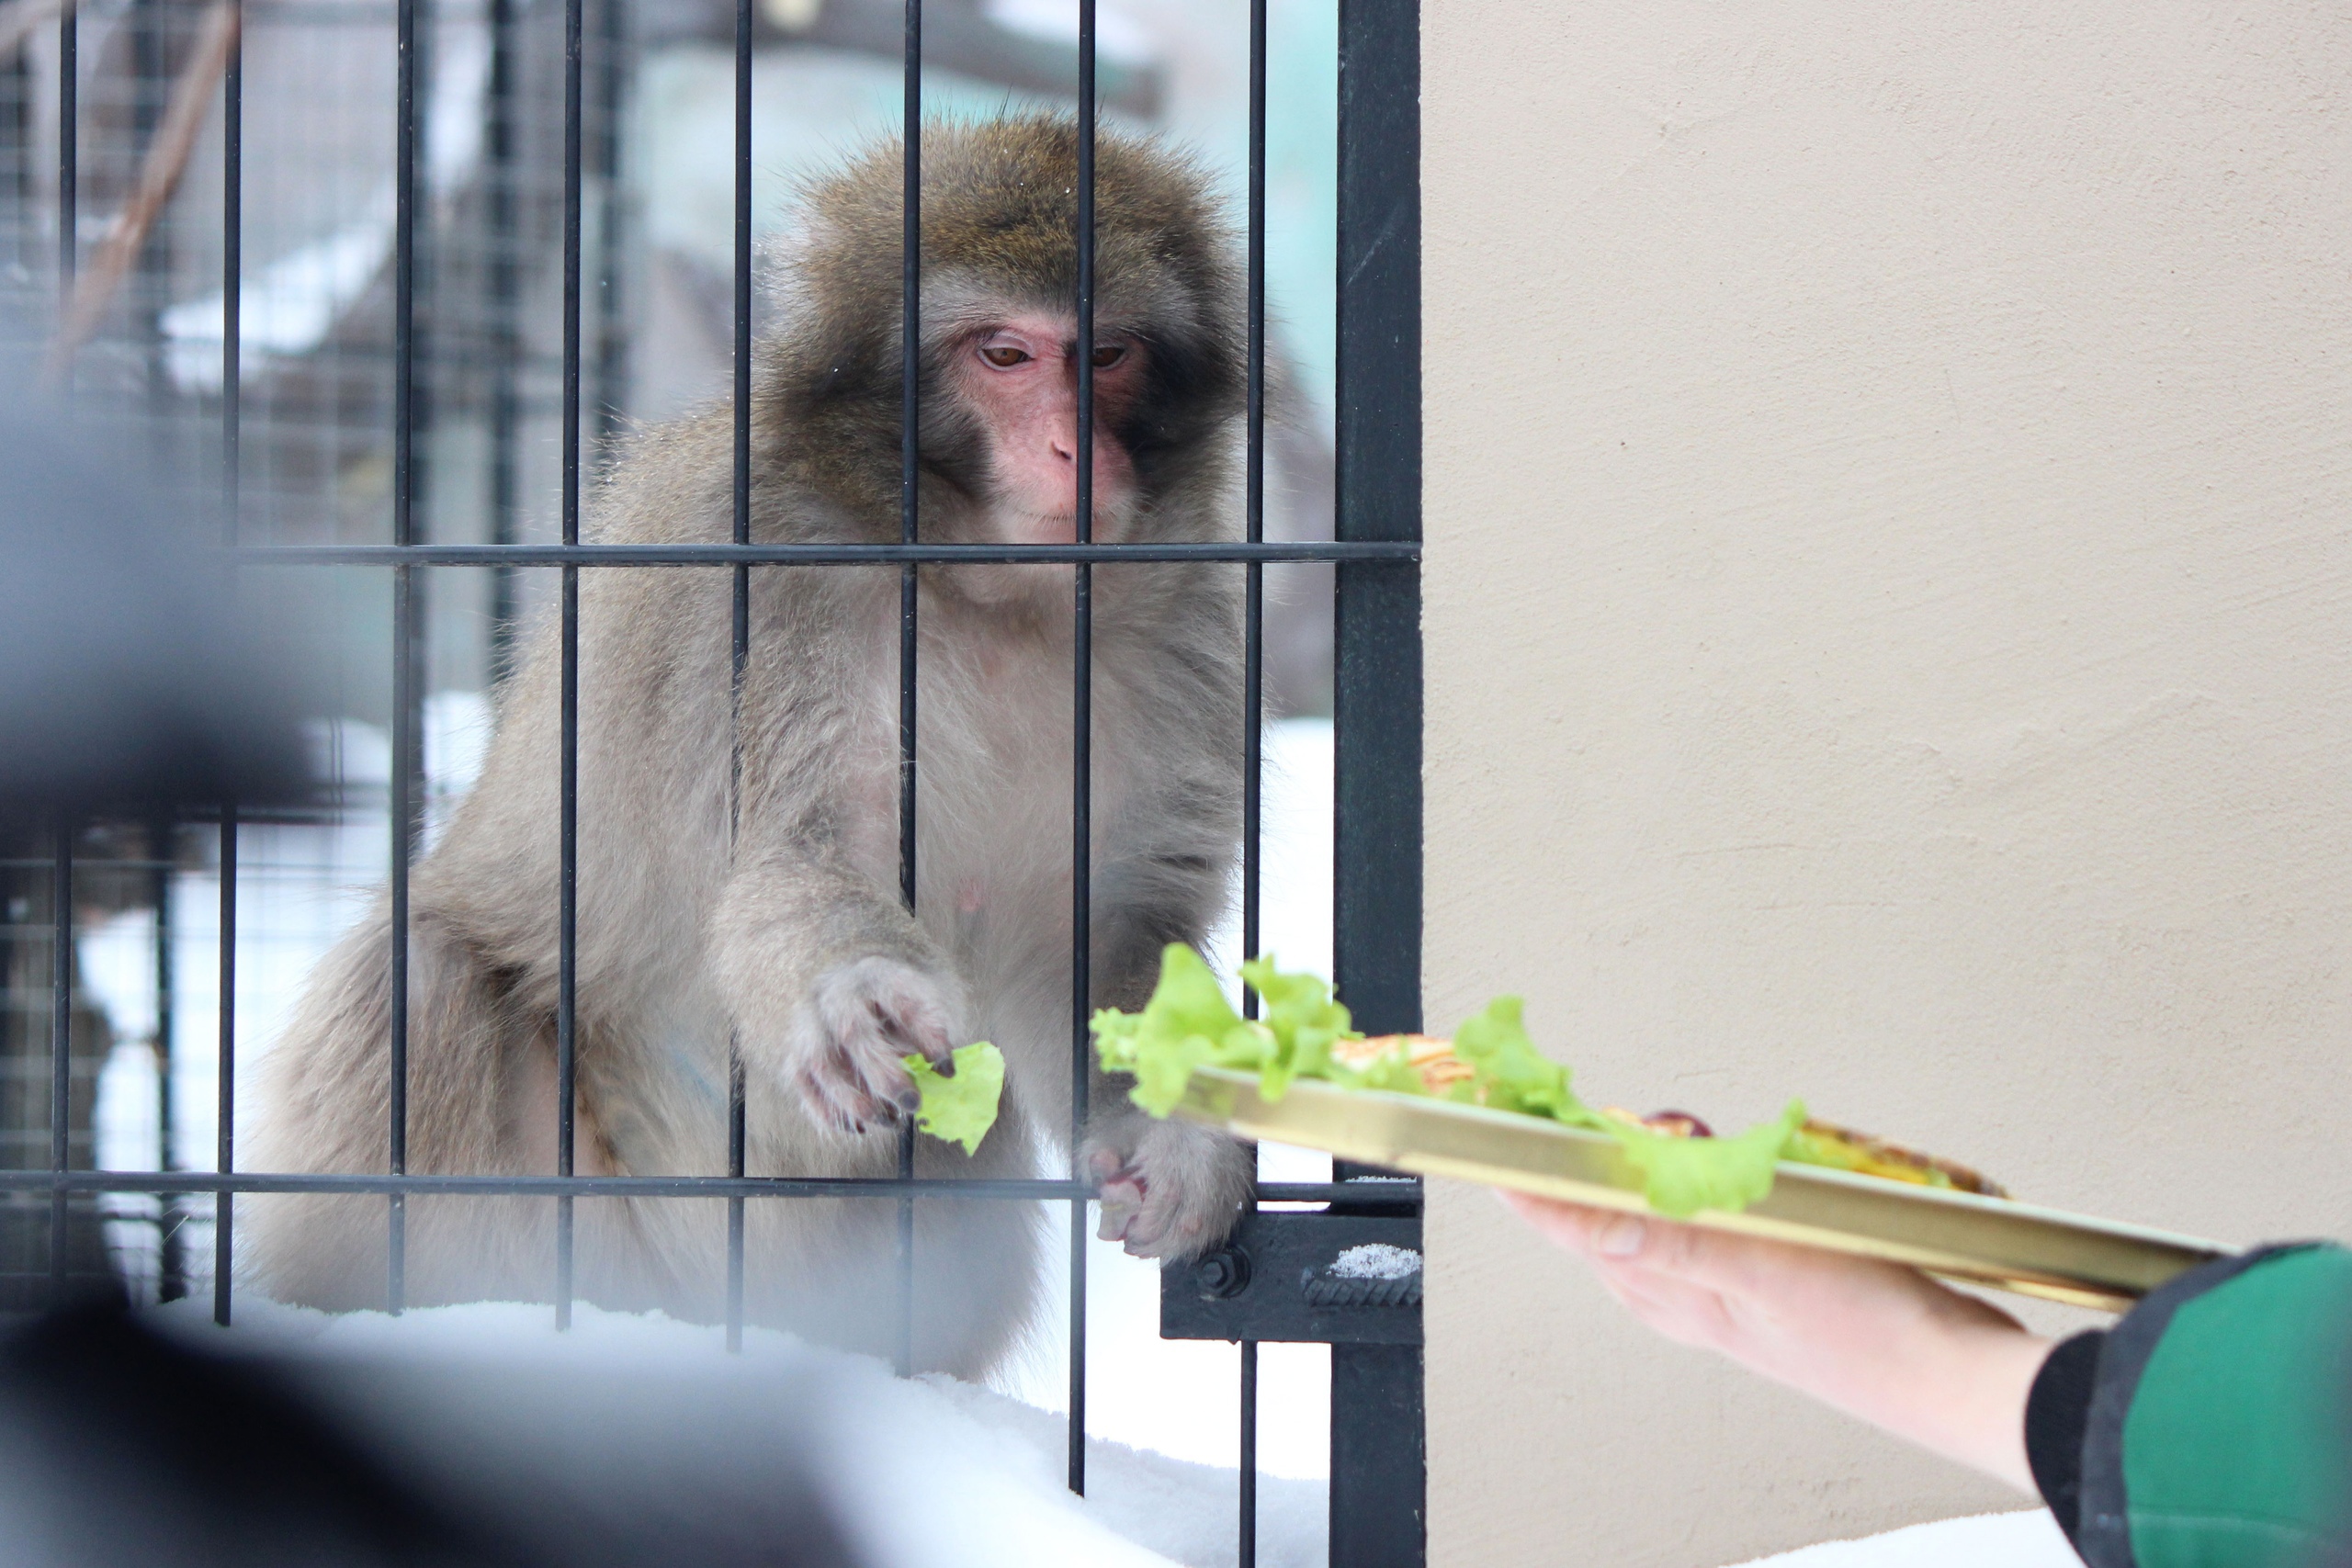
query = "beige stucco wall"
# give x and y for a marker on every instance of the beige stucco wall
(1890, 639)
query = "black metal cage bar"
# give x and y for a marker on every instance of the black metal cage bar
(1377, 1413)
(1378, 1505)
(910, 628)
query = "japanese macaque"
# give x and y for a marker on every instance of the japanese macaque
(787, 933)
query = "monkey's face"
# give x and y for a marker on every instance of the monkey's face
(1018, 375)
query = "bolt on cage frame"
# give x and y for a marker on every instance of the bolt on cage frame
(1377, 1476)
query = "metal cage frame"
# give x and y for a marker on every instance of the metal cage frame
(1377, 1479)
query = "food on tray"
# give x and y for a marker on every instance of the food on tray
(962, 1108)
(1302, 1033)
(1814, 1142)
(1842, 1148)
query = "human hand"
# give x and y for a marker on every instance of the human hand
(1877, 1340)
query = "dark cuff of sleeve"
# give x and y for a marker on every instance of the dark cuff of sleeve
(2057, 1413)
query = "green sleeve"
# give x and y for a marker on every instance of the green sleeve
(2219, 1432)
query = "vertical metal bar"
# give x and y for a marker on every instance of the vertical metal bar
(1253, 679)
(233, 210)
(232, 262)
(1378, 1475)
(224, 1136)
(1081, 870)
(151, 81)
(909, 460)
(16, 154)
(171, 1268)
(742, 272)
(1246, 1536)
(734, 1205)
(612, 342)
(568, 803)
(61, 1044)
(404, 694)
(69, 149)
(742, 642)
(1255, 506)
(502, 287)
(1379, 1471)
(1378, 686)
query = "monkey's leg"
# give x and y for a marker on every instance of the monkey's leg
(326, 1108)
(828, 1269)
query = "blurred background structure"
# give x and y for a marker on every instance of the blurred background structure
(314, 86)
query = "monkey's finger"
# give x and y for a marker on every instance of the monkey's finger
(819, 1102)
(894, 1094)
(911, 1025)
(1122, 1205)
(832, 1090)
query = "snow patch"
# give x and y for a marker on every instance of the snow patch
(922, 1471)
(1376, 1260)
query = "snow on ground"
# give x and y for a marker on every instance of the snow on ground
(923, 1471)
(933, 1472)
(2027, 1540)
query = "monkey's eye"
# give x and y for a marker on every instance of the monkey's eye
(1004, 355)
(1109, 353)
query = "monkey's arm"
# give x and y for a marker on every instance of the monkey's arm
(831, 984)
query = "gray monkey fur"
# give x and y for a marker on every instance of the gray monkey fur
(791, 936)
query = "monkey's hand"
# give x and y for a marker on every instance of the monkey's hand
(1167, 1189)
(860, 1019)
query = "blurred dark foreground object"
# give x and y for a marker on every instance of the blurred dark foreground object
(133, 673)
(123, 1446)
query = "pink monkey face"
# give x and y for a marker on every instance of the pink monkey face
(1020, 376)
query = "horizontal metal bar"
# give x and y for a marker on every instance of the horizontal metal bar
(536, 1186)
(1379, 1194)
(1278, 1277)
(1357, 1194)
(823, 555)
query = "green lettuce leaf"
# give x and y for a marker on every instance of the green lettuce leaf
(1302, 1022)
(1682, 1176)
(960, 1110)
(1512, 1075)
(1392, 1070)
(1188, 1024)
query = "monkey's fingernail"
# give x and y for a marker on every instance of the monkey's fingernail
(910, 1101)
(944, 1066)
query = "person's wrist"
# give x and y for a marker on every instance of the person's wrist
(1978, 1367)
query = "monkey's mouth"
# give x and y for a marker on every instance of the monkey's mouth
(1061, 527)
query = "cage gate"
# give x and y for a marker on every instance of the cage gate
(122, 286)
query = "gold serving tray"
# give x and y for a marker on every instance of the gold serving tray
(1990, 1241)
